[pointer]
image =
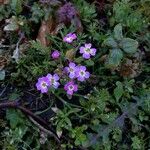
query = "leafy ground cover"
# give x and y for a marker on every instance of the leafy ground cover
(74, 75)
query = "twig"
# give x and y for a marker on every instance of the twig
(39, 120)
(44, 130)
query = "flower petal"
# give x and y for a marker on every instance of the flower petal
(93, 51)
(88, 45)
(75, 88)
(70, 92)
(56, 77)
(72, 75)
(56, 84)
(82, 68)
(80, 79)
(87, 75)
(71, 64)
(86, 56)
(82, 50)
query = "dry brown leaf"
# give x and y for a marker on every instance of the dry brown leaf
(3, 62)
(131, 68)
(47, 27)
(70, 54)
(4, 2)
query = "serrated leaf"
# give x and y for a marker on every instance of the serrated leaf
(118, 91)
(14, 118)
(2, 74)
(114, 58)
(110, 42)
(118, 32)
(129, 45)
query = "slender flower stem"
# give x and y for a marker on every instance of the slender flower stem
(66, 103)
(69, 105)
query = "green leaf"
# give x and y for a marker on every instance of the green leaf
(110, 42)
(14, 118)
(118, 32)
(89, 62)
(129, 45)
(2, 74)
(136, 143)
(118, 91)
(79, 60)
(16, 6)
(114, 58)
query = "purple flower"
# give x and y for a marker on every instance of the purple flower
(69, 37)
(82, 74)
(71, 87)
(87, 51)
(66, 13)
(42, 84)
(53, 80)
(55, 54)
(71, 70)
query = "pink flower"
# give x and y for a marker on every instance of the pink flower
(82, 74)
(43, 84)
(53, 80)
(55, 54)
(87, 51)
(71, 87)
(69, 37)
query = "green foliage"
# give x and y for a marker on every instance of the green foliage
(21, 134)
(118, 91)
(78, 135)
(136, 143)
(37, 13)
(109, 111)
(97, 102)
(16, 6)
(127, 13)
(14, 118)
(88, 12)
(120, 46)
(5, 12)
(114, 58)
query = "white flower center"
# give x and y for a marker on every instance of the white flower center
(44, 84)
(69, 39)
(71, 87)
(52, 80)
(71, 70)
(87, 50)
(82, 73)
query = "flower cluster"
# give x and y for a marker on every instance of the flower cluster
(78, 72)
(87, 51)
(66, 12)
(73, 71)
(44, 83)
